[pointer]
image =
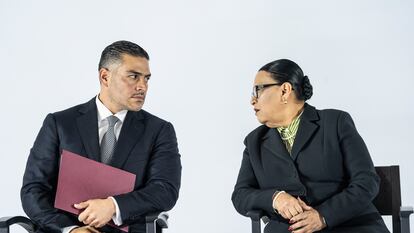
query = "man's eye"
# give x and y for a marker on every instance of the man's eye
(147, 79)
(133, 76)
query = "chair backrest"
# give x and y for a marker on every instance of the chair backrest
(388, 201)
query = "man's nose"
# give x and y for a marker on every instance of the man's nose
(142, 84)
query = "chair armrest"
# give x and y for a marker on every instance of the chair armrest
(256, 216)
(156, 221)
(405, 212)
(6, 222)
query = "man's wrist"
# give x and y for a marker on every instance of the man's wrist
(112, 204)
(116, 218)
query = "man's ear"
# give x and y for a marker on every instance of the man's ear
(104, 74)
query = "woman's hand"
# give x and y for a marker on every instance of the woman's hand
(308, 221)
(287, 206)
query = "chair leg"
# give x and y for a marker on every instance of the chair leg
(256, 228)
(405, 225)
(151, 227)
(405, 212)
(4, 230)
(159, 229)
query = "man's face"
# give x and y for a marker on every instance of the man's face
(124, 85)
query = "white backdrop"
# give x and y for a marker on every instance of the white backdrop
(204, 55)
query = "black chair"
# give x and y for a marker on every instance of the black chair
(155, 223)
(388, 202)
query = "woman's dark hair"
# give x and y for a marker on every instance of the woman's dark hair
(285, 70)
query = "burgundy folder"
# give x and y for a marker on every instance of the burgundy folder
(81, 179)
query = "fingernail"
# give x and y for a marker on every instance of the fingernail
(291, 221)
(290, 229)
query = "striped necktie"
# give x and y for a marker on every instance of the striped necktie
(109, 141)
(288, 138)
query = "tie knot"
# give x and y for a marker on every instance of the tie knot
(112, 120)
(286, 133)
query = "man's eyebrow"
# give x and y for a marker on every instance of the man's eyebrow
(138, 73)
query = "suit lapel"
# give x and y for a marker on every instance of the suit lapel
(273, 143)
(88, 128)
(132, 130)
(306, 129)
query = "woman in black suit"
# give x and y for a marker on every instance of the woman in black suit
(308, 169)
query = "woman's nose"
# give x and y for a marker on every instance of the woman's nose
(253, 100)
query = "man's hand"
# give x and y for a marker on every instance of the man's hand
(307, 222)
(287, 206)
(85, 229)
(97, 212)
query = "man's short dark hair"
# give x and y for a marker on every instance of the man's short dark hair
(113, 52)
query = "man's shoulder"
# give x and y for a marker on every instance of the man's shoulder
(151, 117)
(77, 109)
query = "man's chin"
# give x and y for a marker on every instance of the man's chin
(135, 108)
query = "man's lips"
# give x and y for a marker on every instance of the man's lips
(256, 110)
(139, 97)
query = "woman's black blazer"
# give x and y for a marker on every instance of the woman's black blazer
(329, 167)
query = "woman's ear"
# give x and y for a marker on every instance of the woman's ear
(286, 91)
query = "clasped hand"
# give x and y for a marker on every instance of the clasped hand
(96, 213)
(304, 218)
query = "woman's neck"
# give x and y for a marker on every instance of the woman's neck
(291, 112)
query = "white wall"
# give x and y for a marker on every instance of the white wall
(358, 55)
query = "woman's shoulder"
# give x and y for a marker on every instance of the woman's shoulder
(256, 134)
(332, 115)
(330, 112)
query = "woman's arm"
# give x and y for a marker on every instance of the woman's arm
(363, 181)
(247, 194)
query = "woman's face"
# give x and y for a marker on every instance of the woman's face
(268, 102)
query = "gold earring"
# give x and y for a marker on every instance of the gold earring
(285, 101)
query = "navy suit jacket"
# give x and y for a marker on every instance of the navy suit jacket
(329, 167)
(147, 147)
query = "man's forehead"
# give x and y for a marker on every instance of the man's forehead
(135, 64)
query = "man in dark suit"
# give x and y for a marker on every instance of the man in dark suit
(113, 129)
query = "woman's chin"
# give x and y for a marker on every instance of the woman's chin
(271, 124)
(260, 120)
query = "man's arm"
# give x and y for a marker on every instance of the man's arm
(160, 192)
(40, 179)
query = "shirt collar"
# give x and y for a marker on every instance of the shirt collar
(104, 112)
(293, 126)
